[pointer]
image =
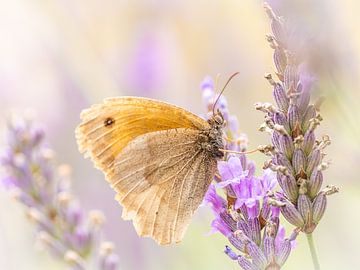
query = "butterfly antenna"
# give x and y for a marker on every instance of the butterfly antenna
(238, 152)
(222, 91)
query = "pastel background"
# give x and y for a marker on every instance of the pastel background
(58, 57)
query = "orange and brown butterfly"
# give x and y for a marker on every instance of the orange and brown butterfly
(159, 158)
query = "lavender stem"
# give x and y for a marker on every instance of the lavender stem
(314, 256)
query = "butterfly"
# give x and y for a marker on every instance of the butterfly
(159, 158)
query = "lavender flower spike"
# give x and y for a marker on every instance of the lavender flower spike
(298, 155)
(248, 216)
(61, 225)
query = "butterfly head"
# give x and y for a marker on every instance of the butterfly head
(217, 120)
(213, 139)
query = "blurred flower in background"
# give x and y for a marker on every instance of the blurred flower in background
(29, 174)
(59, 57)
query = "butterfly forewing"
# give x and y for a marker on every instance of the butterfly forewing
(108, 127)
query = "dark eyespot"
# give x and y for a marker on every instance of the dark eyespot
(109, 122)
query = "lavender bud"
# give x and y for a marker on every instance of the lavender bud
(280, 60)
(280, 119)
(292, 215)
(313, 161)
(290, 77)
(275, 139)
(81, 238)
(299, 161)
(281, 160)
(244, 227)
(319, 206)
(304, 206)
(228, 220)
(110, 262)
(246, 264)
(294, 117)
(287, 146)
(257, 255)
(315, 183)
(309, 141)
(283, 252)
(265, 211)
(228, 251)
(269, 248)
(282, 101)
(73, 214)
(303, 101)
(309, 114)
(236, 242)
(255, 230)
(289, 186)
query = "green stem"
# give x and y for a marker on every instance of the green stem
(313, 251)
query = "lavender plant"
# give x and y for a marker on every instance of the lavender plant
(247, 215)
(45, 191)
(297, 156)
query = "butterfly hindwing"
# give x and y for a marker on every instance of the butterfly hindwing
(163, 183)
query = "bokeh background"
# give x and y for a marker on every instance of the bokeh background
(59, 56)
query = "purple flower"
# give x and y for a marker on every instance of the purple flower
(218, 204)
(219, 225)
(231, 172)
(245, 210)
(45, 191)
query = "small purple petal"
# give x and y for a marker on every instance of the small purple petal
(219, 225)
(246, 264)
(218, 204)
(230, 169)
(228, 251)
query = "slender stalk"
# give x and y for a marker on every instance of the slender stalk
(314, 257)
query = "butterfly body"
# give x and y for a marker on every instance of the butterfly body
(160, 159)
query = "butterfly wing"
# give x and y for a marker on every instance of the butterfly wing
(139, 143)
(160, 179)
(108, 127)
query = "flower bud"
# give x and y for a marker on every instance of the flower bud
(293, 116)
(316, 180)
(319, 206)
(309, 140)
(290, 77)
(287, 146)
(299, 160)
(292, 215)
(281, 99)
(309, 114)
(280, 61)
(304, 206)
(289, 186)
(313, 161)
